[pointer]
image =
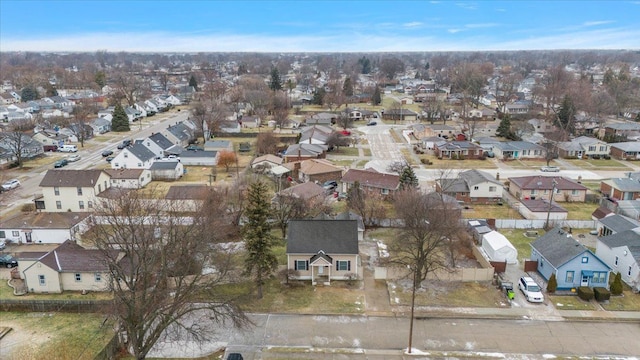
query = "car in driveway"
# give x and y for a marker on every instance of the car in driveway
(73, 158)
(550, 169)
(125, 143)
(530, 289)
(7, 260)
(60, 163)
(11, 184)
(107, 153)
(330, 185)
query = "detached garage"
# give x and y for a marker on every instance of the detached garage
(498, 248)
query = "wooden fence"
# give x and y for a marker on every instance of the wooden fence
(75, 306)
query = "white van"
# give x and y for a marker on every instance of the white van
(68, 148)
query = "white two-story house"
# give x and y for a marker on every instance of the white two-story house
(71, 190)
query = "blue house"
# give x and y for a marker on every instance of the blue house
(556, 252)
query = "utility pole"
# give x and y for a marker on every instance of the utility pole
(553, 190)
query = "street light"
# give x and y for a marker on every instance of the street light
(553, 190)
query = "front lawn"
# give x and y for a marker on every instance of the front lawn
(345, 151)
(571, 302)
(627, 302)
(457, 164)
(449, 294)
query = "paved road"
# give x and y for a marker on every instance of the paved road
(360, 337)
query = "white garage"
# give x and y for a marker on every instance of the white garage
(498, 248)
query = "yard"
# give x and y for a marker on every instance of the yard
(55, 335)
(448, 294)
(520, 241)
(491, 212)
(599, 164)
(579, 211)
(457, 164)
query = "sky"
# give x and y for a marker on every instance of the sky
(317, 26)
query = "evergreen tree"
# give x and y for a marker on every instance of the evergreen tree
(347, 87)
(504, 129)
(120, 120)
(376, 99)
(100, 78)
(318, 96)
(408, 178)
(29, 93)
(260, 261)
(51, 90)
(616, 286)
(193, 82)
(366, 65)
(566, 114)
(552, 285)
(275, 83)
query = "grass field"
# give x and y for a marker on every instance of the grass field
(450, 294)
(491, 212)
(579, 211)
(520, 241)
(457, 164)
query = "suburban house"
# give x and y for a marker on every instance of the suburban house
(180, 134)
(186, 197)
(316, 170)
(518, 150)
(618, 130)
(458, 150)
(266, 161)
(160, 146)
(68, 267)
(614, 223)
(472, 186)
(129, 178)
(539, 209)
(299, 152)
(621, 251)
(621, 188)
(323, 250)
(321, 119)
(164, 170)
(50, 138)
(136, 156)
(315, 134)
(626, 150)
(100, 125)
(71, 190)
(43, 227)
(556, 252)
(583, 146)
(308, 191)
(443, 131)
(540, 187)
(400, 114)
(370, 181)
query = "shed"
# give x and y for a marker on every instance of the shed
(499, 248)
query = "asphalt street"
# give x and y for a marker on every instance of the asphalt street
(365, 337)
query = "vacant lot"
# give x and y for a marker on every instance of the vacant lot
(54, 335)
(491, 212)
(448, 294)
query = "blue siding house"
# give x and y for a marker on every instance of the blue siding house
(556, 252)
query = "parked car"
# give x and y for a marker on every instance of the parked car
(11, 184)
(330, 185)
(73, 158)
(125, 143)
(345, 132)
(372, 123)
(109, 158)
(530, 289)
(107, 153)
(550, 169)
(194, 148)
(8, 261)
(3, 245)
(60, 163)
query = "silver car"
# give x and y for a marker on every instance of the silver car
(11, 184)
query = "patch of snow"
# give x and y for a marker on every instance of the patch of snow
(548, 356)
(469, 346)
(559, 304)
(492, 355)
(396, 300)
(415, 351)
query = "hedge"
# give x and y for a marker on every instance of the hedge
(585, 293)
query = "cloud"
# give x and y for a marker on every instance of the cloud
(413, 24)
(479, 26)
(467, 5)
(454, 31)
(596, 23)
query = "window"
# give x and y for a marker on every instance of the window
(533, 192)
(126, 155)
(117, 166)
(574, 192)
(56, 191)
(492, 189)
(99, 188)
(603, 148)
(78, 277)
(81, 204)
(585, 259)
(139, 164)
(592, 148)
(384, 191)
(15, 233)
(569, 277)
(343, 265)
(629, 272)
(98, 277)
(58, 204)
(599, 277)
(41, 280)
(476, 187)
(301, 265)
(616, 261)
(79, 189)
(90, 204)
(2, 235)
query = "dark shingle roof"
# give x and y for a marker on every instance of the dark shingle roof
(628, 238)
(538, 182)
(71, 178)
(124, 173)
(187, 192)
(334, 237)
(558, 247)
(141, 152)
(72, 257)
(164, 165)
(474, 177)
(161, 141)
(619, 223)
(44, 220)
(372, 178)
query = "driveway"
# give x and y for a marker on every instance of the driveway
(384, 150)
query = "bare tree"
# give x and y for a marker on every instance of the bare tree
(506, 88)
(157, 267)
(422, 245)
(368, 205)
(266, 143)
(288, 207)
(15, 139)
(551, 89)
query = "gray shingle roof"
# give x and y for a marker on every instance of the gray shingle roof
(161, 141)
(619, 223)
(539, 182)
(629, 238)
(334, 237)
(70, 257)
(71, 178)
(558, 247)
(473, 177)
(141, 152)
(164, 165)
(624, 184)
